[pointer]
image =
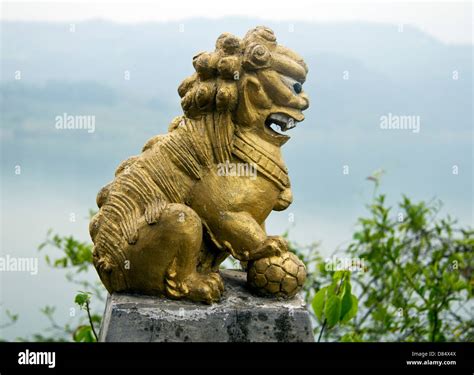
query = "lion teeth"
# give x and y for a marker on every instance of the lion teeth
(274, 127)
(279, 118)
(285, 122)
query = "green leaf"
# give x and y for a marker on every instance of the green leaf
(96, 318)
(332, 288)
(332, 310)
(318, 303)
(346, 338)
(390, 243)
(350, 337)
(459, 285)
(83, 334)
(81, 299)
(346, 302)
(353, 310)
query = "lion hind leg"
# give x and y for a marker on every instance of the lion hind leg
(164, 260)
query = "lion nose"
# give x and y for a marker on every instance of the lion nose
(303, 101)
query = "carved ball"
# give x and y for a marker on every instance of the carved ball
(279, 276)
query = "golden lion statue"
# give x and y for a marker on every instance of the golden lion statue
(175, 212)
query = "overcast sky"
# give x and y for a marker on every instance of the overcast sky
(450, 22)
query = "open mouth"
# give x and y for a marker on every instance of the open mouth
(280, 121)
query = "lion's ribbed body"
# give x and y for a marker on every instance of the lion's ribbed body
(164, 173)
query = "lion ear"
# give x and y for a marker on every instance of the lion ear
(252, 84)
(249, 91)
(254, 93)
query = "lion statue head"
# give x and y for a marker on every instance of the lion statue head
(252, 84)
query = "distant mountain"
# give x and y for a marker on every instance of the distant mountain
(407, 73)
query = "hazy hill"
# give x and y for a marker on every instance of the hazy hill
(82, 72)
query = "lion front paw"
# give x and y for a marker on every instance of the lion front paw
(273, 246)
(207, 288)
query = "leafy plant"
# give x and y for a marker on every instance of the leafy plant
(335, 303)
(416, 281)
(76, 257)
(86, 333)
(420, 268)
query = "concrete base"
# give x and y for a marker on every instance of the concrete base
(239, 317)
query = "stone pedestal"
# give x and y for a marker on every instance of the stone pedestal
(239, 317)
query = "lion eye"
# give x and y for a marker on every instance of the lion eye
(295, 86)
(298, 87)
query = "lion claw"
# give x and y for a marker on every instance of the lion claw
(207, 288)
